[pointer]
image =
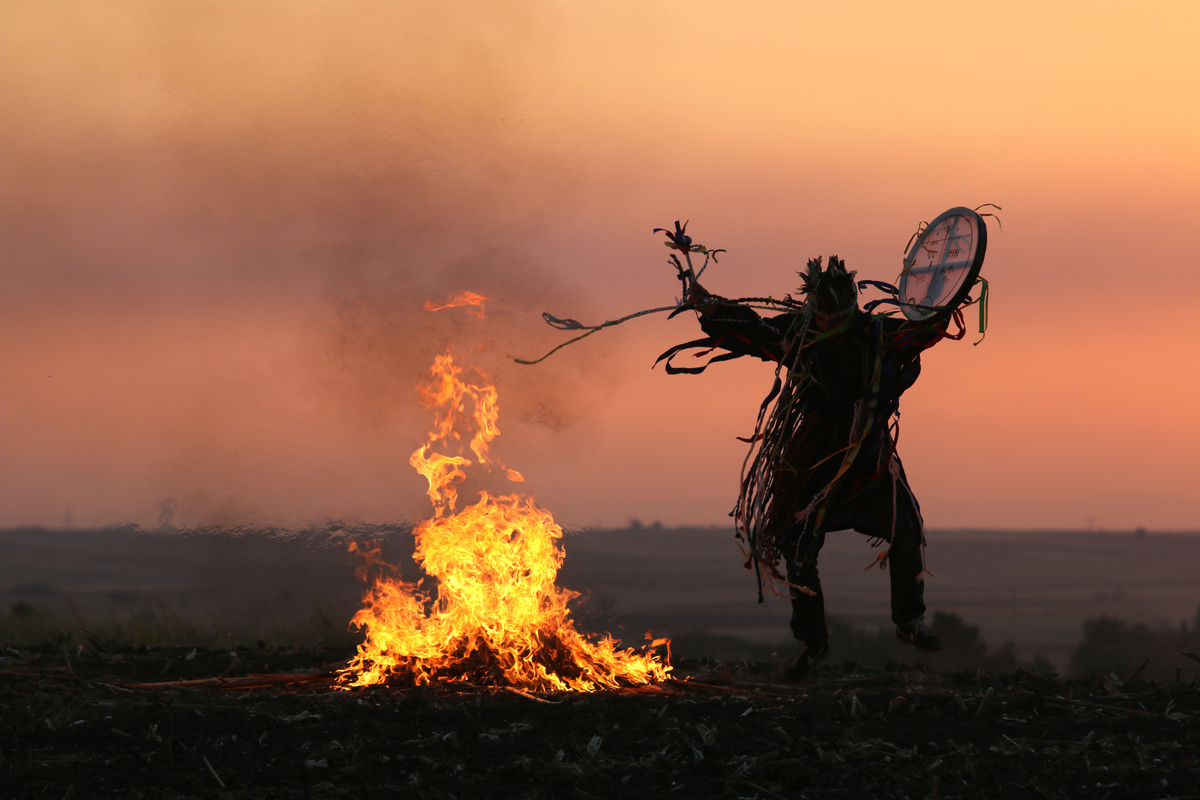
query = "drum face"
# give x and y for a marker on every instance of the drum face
(943, 264)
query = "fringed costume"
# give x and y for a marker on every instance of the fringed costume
(823, 456)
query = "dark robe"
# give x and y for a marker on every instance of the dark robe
(828, 475)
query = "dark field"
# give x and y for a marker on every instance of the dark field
(80, 721)
(199, 664)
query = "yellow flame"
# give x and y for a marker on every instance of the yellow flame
(498, 616)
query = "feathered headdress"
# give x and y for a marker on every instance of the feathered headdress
(832, 292)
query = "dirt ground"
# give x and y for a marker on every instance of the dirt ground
(89, 721)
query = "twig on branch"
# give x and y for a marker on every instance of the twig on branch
(1136, 672)
(1132, 712)
(248, 682)
(220, 782)
(529, 696)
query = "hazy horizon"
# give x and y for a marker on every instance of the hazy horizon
(632, 525)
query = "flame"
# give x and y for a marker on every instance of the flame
(461, 299)
(498, 617)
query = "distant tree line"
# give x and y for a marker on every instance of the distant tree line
(1109, 647)
(1113, 646)
(962, 647)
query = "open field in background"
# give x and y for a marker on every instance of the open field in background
(248, 584)
(1035, 589)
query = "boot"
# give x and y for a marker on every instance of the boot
(803, 659)
(917, 634)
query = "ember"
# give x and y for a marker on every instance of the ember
(461, 299)
(497, 616)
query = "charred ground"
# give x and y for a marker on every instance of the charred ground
(81, 721)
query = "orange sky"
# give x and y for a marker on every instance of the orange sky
(218, 223)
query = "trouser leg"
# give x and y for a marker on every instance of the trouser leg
(905, 564)
(808, 611)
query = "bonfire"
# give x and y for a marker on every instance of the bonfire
(494, 615)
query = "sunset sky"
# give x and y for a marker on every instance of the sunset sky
(219, 221)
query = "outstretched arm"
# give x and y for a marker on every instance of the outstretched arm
(739, 329)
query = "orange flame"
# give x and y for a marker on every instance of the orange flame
(461, 299)
(498, 616)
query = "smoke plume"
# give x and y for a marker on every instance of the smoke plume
(218, 225)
